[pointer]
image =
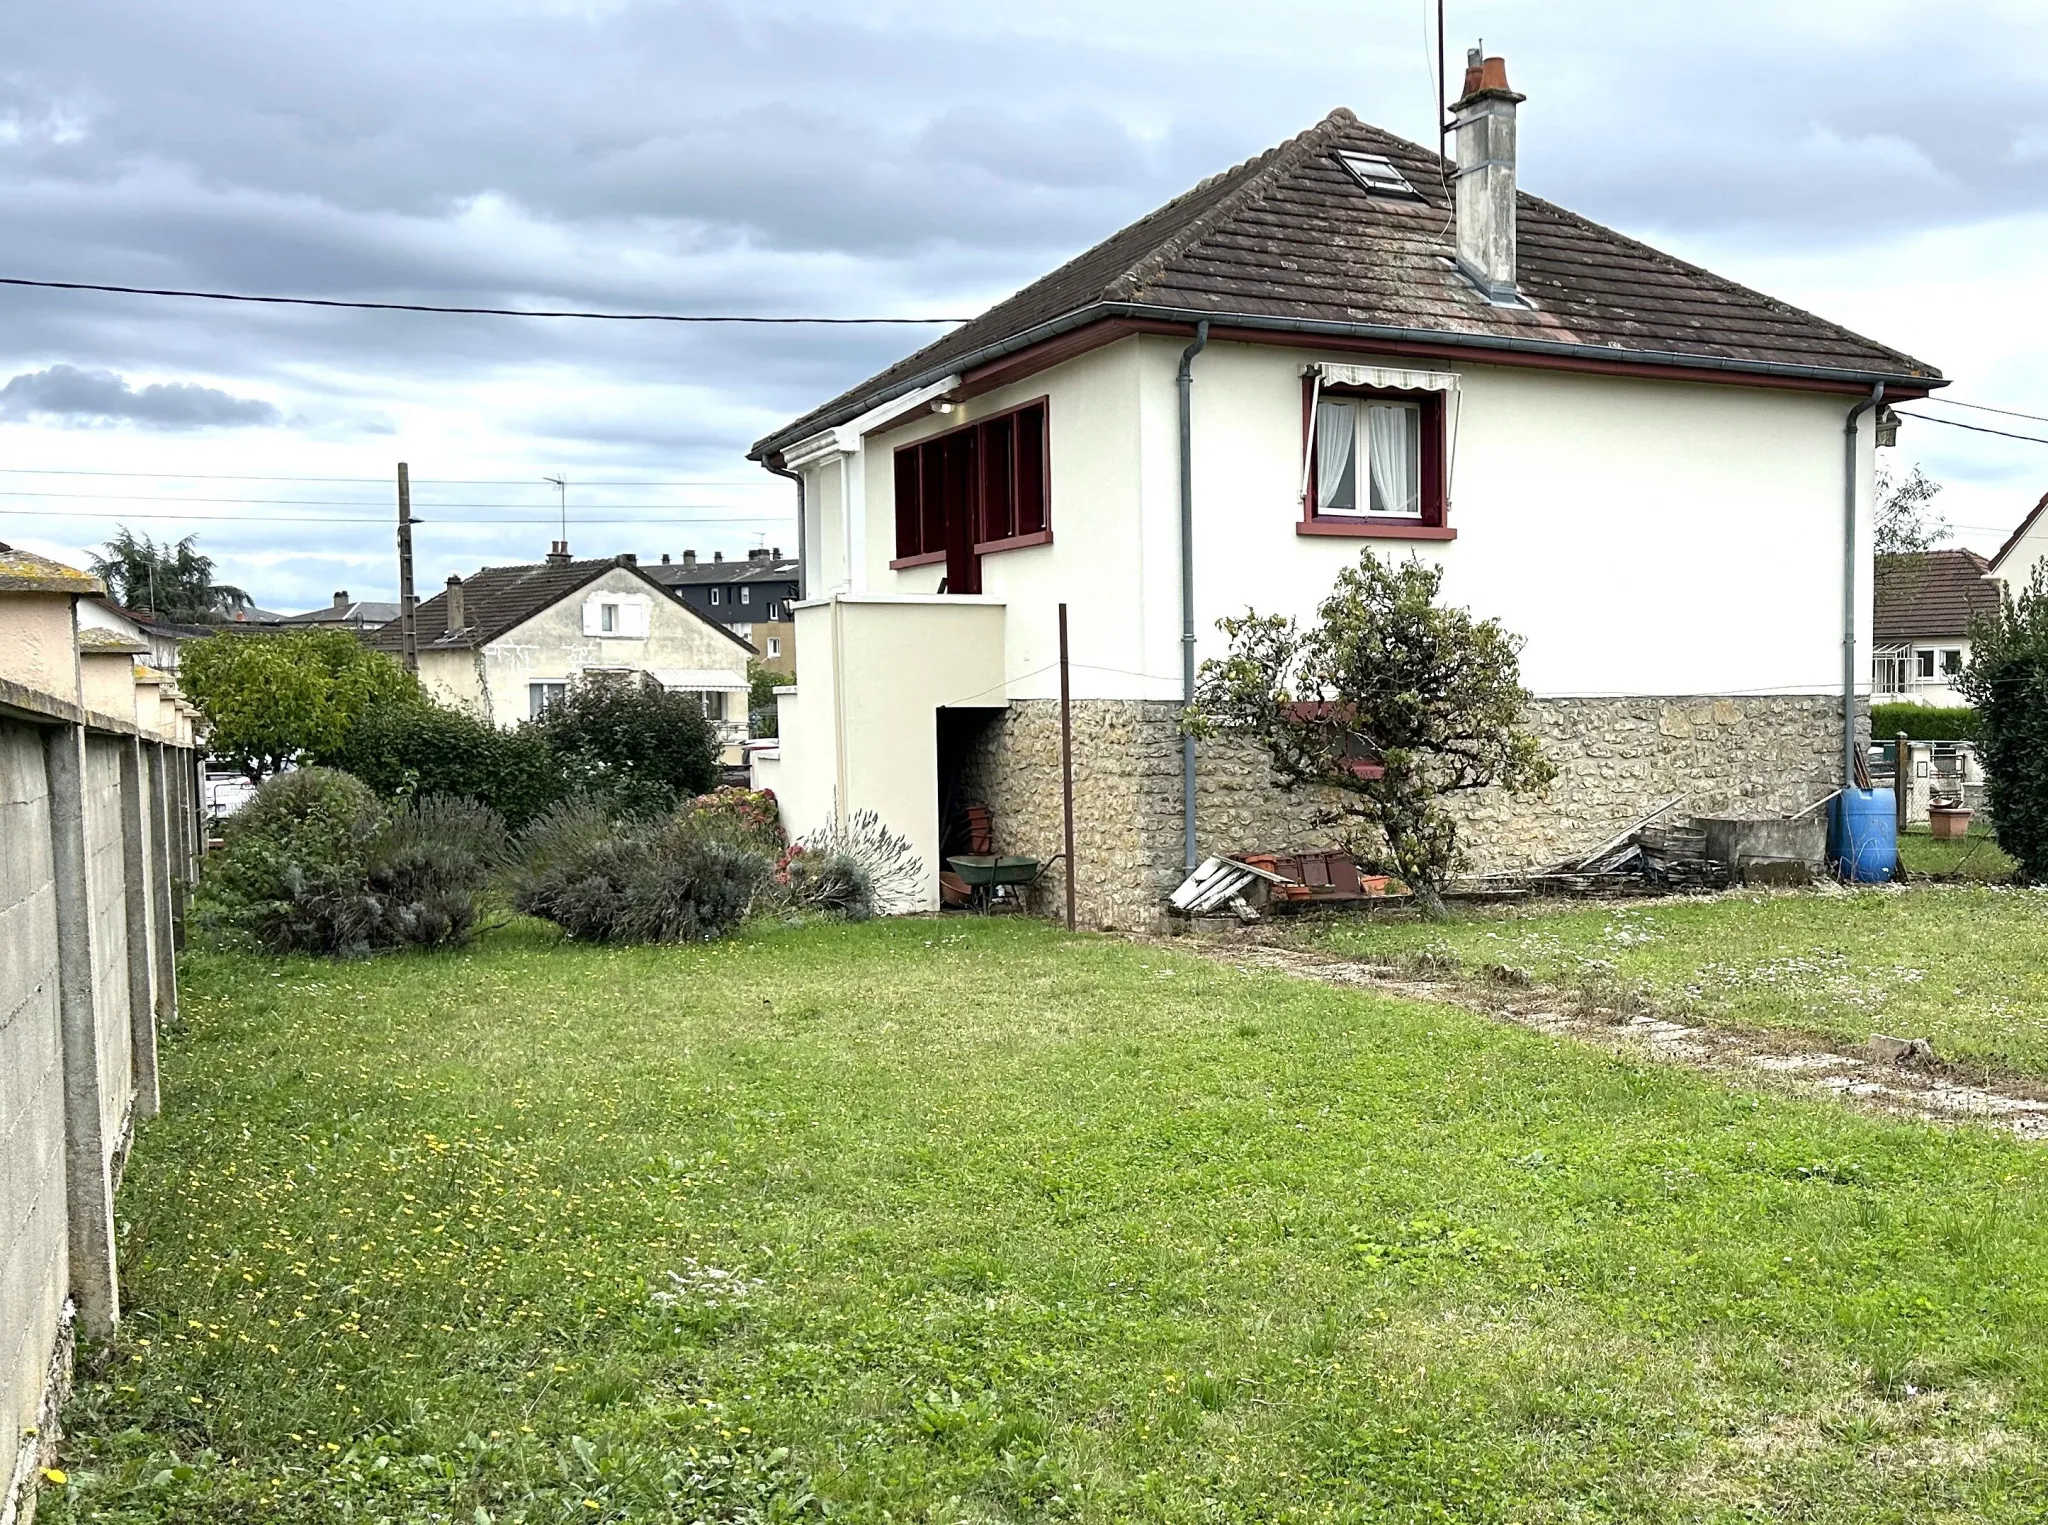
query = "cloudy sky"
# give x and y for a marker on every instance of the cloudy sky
(1883, 163)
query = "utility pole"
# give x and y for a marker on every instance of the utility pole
(408, 616)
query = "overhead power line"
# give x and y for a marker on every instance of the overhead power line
(1980, 407)
(222, 476)
(1956, 423)
(158, 497)
(116, 513)
(481, 312)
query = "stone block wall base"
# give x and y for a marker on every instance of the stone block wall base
(1617, 759)
(18, 1507)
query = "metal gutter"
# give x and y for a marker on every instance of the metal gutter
(1185, 381)
(1850, 474)
(1098, 312)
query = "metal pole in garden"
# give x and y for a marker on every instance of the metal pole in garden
(1067, 762)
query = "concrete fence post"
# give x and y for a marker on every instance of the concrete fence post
(88, 1182)
(136, 877)
(162, 872)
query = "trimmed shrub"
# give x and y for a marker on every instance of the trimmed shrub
(608, 880)
(631, 741)
(889, 865)
(831, 883)
(401, 750)
(2007, 680)
(315, 864)
(1925, 722)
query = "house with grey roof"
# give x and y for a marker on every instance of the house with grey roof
(1660, 479)
(506, 642)
(346, 613)
(1925, 607)
(752, 596)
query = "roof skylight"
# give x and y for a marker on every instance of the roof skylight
(1377, 174)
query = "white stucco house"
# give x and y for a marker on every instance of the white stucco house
(506, 642)
(1925, 607)
(1660, 479)
(2024, 552)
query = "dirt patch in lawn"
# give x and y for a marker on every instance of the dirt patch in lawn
(1917, 1088)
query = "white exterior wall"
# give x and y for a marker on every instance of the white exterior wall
(1644, 537)
(873, 745)
(2016, 570)
(1938, 690)
(551, 647)
(1704, 521)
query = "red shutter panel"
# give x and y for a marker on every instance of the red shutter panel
(998, 507)
(931, 461)
(907, 509)
(1033, 513)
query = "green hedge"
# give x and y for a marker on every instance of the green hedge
(1925, 722)
(429, 749)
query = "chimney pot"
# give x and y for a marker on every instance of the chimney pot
(1486, 207)
(718, 555)
(778, 553)
(664, 558)
(341, 598)
(458, 617)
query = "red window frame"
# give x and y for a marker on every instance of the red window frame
(1435, 521)
(995, 475)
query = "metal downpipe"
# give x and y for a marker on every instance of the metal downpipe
(774, 464)
(1186, 383)
(1849, 476)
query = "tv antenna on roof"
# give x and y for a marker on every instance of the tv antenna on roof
(561, 487)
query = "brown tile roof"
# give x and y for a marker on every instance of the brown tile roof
(498, 599)
(1291, 239)
(1933, 596)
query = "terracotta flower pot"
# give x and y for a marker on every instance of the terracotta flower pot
(1948, 822)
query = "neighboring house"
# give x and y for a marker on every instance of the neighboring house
(1925, 605)
(752, 598)
(2024, 551)
(506, 642)
(160, 638)
(348, 613)
(1635, 465)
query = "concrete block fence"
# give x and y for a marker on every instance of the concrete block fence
(99, 835)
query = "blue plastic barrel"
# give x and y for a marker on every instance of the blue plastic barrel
(1865, 829)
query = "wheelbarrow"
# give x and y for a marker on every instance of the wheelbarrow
(999, 881)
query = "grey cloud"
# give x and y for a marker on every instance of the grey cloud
(66, 391)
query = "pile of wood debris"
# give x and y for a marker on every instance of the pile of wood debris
(1646, 859)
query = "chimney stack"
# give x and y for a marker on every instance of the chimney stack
(758, 554)
(558, 553)
(689, 558)
(628, 558)
(664, 558)
(1485, 118)
(718, 555)
(341, 598)
(458, 617)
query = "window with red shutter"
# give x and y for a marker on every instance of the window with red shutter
(980, 488)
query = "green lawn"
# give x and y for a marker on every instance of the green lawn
(1965, 966)
(1976, 858)
(974, 1221)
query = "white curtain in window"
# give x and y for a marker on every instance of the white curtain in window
(1392, 440)
(1336, 436)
